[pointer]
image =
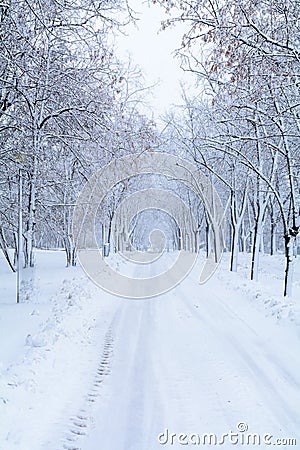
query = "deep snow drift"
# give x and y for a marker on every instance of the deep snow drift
(81, 369)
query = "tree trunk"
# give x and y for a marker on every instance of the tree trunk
(70, 251)
(256, 246)
(234, 248)
(207, 240)
(109, 237)
(196, 241)
(243, 238)
(4, 249)
(289, 269)
(273, 243)
(29, 234)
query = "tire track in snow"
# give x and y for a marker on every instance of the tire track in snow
(256, 368)
(234, 382)
(144, 409)
(132, 412)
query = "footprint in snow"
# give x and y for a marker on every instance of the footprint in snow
(34, 341)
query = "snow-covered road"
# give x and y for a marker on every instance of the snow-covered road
(121, 373)
(196, 360)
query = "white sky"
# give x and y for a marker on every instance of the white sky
(153, 51)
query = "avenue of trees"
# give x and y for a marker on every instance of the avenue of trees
(68, 106)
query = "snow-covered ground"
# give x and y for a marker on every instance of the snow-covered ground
(81, 369)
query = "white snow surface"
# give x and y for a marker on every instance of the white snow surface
(82, 369)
